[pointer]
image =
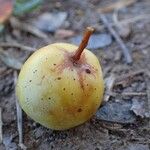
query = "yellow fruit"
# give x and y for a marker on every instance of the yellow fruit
(59, 87)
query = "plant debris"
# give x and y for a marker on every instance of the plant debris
(118, 112)
(25, 6)
(125, 50)
(138, 107)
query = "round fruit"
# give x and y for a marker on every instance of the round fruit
(61, 86)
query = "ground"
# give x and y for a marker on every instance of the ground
(98, 133)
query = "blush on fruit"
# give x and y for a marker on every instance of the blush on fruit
(61, 85)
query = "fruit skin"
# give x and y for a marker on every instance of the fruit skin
(56, 92)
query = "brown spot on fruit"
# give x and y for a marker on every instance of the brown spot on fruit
(79, 110)
(79, 66)
(30, 81)
(88, 71)
(59, 78)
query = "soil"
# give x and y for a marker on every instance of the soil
(96, 134)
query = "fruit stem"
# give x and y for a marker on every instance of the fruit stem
(84, 43)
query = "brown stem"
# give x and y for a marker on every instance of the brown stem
(83, 44)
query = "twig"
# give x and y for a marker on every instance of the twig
(128, 76)
(123, 30)
(129, 94)
(28, 28)
(116, 5)
(1, 129)
(125, 21)
(17, 45)
(125, 50)
(148, 94)
(19, 118)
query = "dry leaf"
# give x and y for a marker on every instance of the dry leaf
(6, 8)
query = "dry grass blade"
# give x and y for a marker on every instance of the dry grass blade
(27, 28)
(19, 117)
(124, 78)
(123, 30)
(17, 45)
(109, 86)
(128, 94)
(1, 129)
(125, 50)
(116, 5)
(148, 93)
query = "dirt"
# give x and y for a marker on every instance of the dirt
(95, 134)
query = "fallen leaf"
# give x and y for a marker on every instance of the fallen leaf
(139, 108)
(118, 112)
(9, 60)
(96, 40)
(50, 22)
(6, 8)
(7, 141)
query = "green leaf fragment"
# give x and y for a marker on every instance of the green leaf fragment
(25, 6)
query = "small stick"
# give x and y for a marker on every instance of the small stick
(124, 78)
(129, 94)
(17, 45)
(125, 50)
(84, 43)
(1, 125)
(19, 117)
